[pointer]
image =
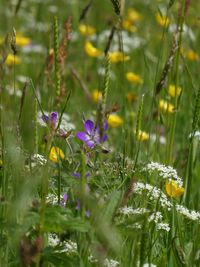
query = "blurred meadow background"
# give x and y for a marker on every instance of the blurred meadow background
(99, 133)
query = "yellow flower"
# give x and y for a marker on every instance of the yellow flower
(133, 78)
(118, 56)
(115, 121)
(162, 20)
(131, 97)
(133, 15)
(96, 95)
(91, 50)
(191, 55)
(173, 190)
(11, 60)
(128, 25)
(166, 106)
(55, 154)
(142, 136)
(86, 30)
(20, 40)
(174, 91)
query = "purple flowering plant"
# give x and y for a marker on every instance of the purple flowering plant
(91, 137)
(51, 120)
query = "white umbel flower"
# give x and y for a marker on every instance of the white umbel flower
(190, 214)
(111, 263)
(166, 172)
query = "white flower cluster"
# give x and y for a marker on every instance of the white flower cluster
(52, 199)
(38, 159)
(190, 214)
(163, 226)
(149, 265)
(53, 240)
(156, 217)
(166, 172)
(196, 135)
(69, 248)
(153, 193)
(111, 263)
(132, 211)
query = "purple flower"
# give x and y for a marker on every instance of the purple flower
(51, 120)
(64, 200)
(78, 175)
(91, 136)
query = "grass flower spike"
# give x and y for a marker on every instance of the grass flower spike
(173, 190)
(56, 154)
(115, 121)
(91, 50)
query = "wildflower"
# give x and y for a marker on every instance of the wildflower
(38, 159)
(131, 211)
(128, 25)
(166, 172)
(91, 136)
(173, 189)
(91, 50)
(174, 90)
(162, 20)
(191, 55)
(166, 106)
(86, 30)
(11, 60)
(131, 97)
(56, 154)
(110, 263)
(134, 78)
(117, 56)
(133, 15)
(153, 193)
(114, 120)
(190, 214)
(22, 41)
(64, 200)
(51, 120)
(142, 136)
(96, 96)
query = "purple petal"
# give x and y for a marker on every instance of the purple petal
(65, 197)
(78, 204)
(76, 174)
(90, 143)
(54, 117)
(104, 138)
(89, 127)
(106, 126)
(45, 118)
(82, 136)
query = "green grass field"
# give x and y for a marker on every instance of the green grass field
(99, 133)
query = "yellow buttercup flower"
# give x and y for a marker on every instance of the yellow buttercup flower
(133, 15)
(91, 50)
(166, 106)
(174, 91)
(86, 30)
(142, 136)
(128, 25)
(55, 154)
(115, 121)
(20, 40)
(162, 20)
(117, 56)
(96, 95)
(131, 97)
(173, 190)
(191, 55)
(133, 78)
(11, 60)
